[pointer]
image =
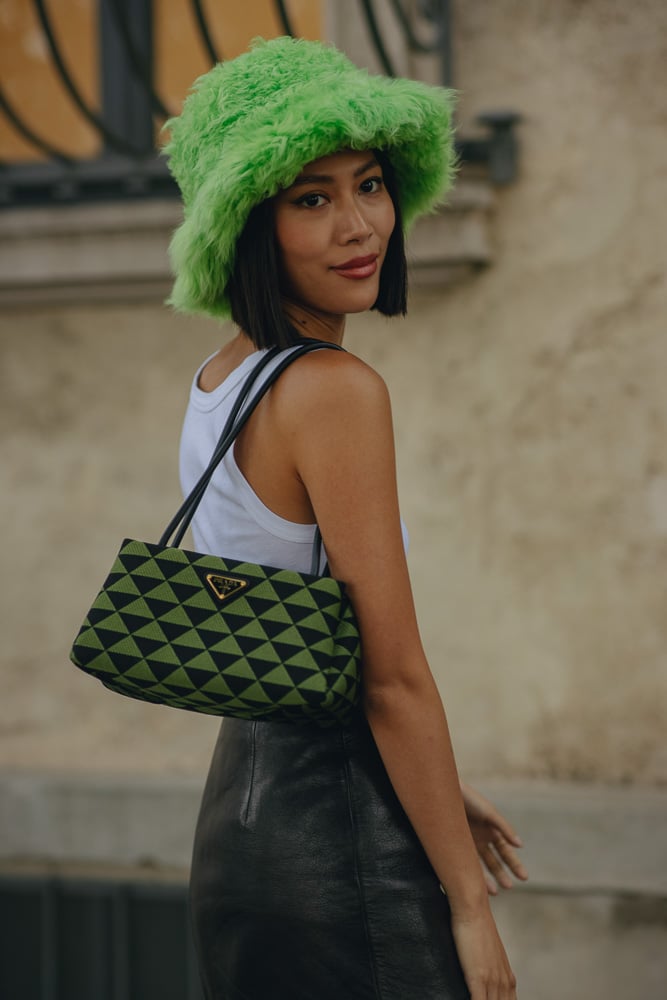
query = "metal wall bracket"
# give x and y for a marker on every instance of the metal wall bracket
(499, 150)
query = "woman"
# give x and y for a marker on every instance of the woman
(328, 863)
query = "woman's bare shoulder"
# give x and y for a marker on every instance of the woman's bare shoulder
(327, 381)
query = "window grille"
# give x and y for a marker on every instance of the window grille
(126, 117)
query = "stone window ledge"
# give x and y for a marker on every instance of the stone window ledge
(118, 251)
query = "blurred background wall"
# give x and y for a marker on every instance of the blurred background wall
(528, 384)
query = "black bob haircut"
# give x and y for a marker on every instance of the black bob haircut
(254, 287)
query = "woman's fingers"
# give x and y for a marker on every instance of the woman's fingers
(496, 867)
(501, 863)
(502, 827)
(491, 886)
(510, 858)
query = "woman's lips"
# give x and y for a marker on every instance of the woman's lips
(359, 267)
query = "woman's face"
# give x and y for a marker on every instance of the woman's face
(332, 229)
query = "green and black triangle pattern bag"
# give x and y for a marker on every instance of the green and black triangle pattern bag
(220, 636)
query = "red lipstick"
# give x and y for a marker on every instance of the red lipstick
(358, 267)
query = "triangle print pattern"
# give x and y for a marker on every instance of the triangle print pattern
(282, 645)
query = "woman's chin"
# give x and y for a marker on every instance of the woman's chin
(358, 299)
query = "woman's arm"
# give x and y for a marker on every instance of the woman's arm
(343, 452)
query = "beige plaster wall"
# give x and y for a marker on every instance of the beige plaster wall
(530, 410)
(552, 381)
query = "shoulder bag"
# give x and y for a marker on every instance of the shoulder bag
(219, 636)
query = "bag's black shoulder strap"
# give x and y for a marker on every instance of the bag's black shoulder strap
(241, 412)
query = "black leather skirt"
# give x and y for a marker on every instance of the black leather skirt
(308, 881)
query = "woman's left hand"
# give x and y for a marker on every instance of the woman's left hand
(495, 841)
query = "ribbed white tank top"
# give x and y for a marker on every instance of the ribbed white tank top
(231, 519)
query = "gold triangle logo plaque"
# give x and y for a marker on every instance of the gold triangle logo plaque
(225, 586)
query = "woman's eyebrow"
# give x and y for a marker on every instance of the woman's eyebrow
(327, 179)
(312, 179)
(366, 166)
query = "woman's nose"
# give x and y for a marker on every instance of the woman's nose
(353, 226)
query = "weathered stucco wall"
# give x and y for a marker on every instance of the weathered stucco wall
(554, 404)
(531, 416)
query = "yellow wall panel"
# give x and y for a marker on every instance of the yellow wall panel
(35, 90)
(180, 54)
(33, 85)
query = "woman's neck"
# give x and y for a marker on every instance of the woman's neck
(314, 324)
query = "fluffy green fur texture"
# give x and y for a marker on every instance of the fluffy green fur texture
(251, 124)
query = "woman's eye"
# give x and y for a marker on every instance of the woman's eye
(311, 200)
(371, 184)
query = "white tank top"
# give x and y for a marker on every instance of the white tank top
(231, 520)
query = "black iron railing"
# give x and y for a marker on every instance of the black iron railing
(83, 939)
(131, 107)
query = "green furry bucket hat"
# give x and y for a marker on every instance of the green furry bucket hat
(251, 124)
